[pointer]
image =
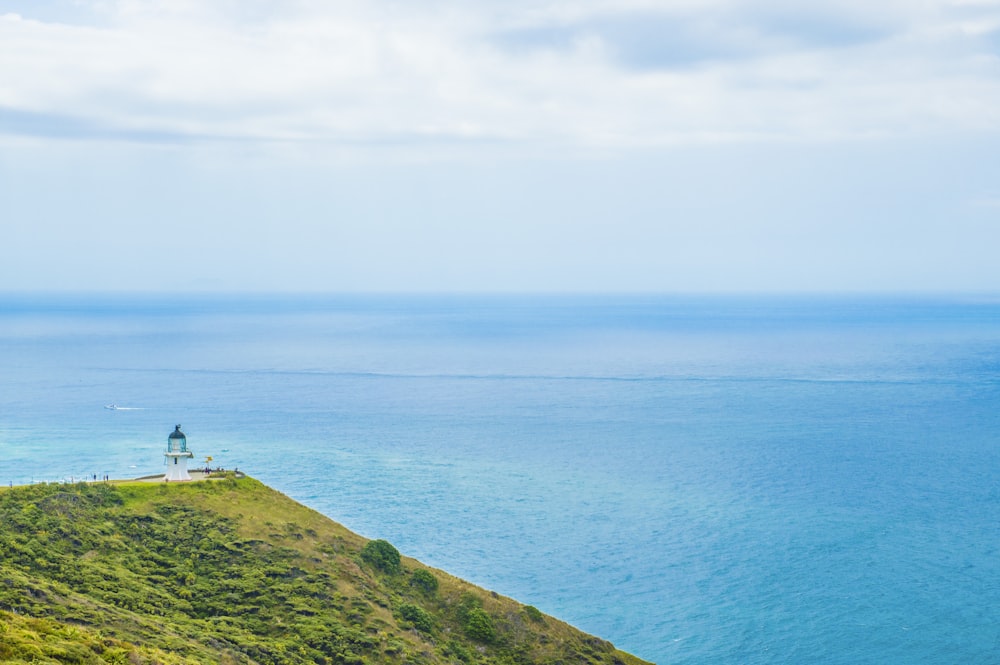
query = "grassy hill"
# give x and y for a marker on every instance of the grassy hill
(231, 571)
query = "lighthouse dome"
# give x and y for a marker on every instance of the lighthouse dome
(177, 442)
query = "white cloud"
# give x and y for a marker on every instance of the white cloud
(387, 71)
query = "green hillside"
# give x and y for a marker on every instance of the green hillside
(231, 571)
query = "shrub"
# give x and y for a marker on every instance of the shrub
(424, 581)
(382, 555)
(456, 649)
(534, 614)
(467, 602)
(115, 656)
(418, 616)
(479, 625)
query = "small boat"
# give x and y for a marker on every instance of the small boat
(113, 407)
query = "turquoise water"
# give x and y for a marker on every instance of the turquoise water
(698, 480)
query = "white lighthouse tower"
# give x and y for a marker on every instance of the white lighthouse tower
(177, 456)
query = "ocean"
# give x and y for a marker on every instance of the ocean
(703, 479)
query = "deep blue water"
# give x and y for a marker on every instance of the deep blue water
(698, 480)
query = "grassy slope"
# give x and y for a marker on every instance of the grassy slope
(230, 571)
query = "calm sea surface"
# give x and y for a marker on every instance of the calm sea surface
(698, 480)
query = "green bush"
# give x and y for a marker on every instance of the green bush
(534, 614)
(479, 625)
(418, 616)
(382, 555)
(467, 602)
(456, 649)
(424, 581)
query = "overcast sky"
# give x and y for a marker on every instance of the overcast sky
(488, 145)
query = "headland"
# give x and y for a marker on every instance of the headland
(232, 571)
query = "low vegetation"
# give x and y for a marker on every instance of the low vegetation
(230, 571)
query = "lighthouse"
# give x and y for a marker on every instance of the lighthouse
(177, 456)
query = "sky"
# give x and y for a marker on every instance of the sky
(500, 146)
